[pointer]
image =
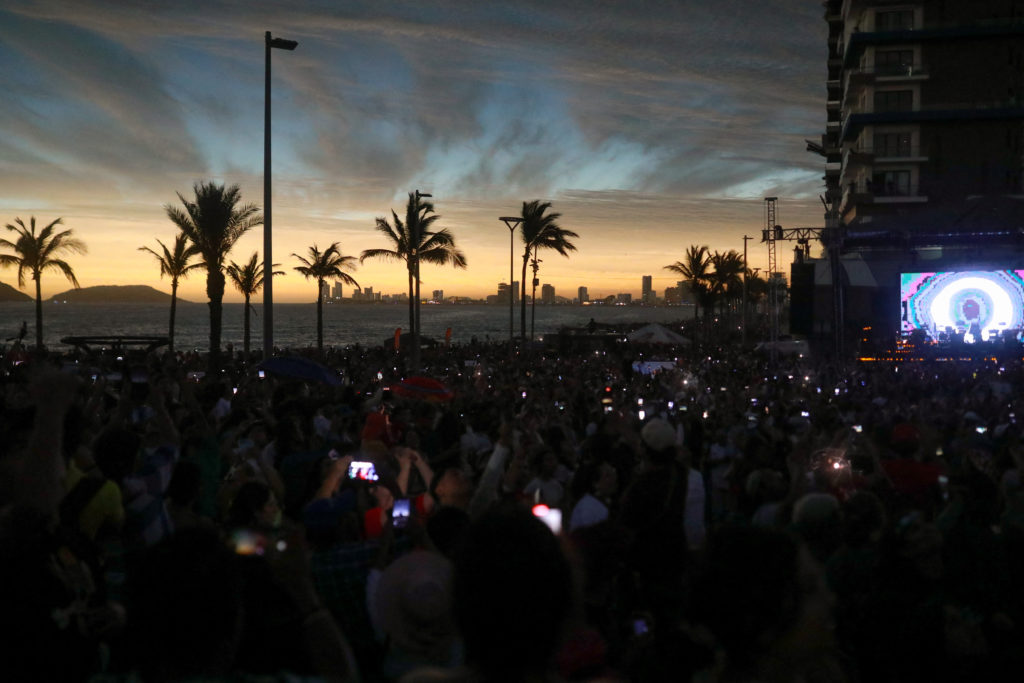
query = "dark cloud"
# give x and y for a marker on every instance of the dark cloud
(591, 102)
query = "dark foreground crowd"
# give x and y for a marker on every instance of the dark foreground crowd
(564, 516)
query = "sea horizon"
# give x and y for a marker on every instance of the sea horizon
(345, 324)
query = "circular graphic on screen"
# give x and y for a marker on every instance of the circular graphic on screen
(974, 304)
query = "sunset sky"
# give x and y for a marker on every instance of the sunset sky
(649, 125)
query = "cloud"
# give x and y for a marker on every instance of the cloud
(661, 118)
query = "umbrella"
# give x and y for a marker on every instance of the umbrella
(296, 367)
(423, 388)
(656, 334)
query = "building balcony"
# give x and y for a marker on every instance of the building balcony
(981, 28)
(883, 193)
(882, 75)
(868, 155)
(1008, 110)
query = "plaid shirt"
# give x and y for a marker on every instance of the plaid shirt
(339, 574)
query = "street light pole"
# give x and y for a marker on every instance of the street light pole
(268, 244)
(745, 271)
(512, 222)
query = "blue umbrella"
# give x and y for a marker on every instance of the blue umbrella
(297, 367)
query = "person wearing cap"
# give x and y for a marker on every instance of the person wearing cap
(412, 614)
(653, 508)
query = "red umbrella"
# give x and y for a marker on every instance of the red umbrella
(423, 388)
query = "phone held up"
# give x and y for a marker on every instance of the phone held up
(400, 513)
(361, 470)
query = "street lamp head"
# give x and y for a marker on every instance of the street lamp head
(281, 43)
(511, 221)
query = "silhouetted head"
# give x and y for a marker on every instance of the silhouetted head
(114, 451)
(763, 596)
(254, 506)
(184, 608)
(512, 594)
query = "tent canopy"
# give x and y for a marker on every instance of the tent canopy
(657, 334)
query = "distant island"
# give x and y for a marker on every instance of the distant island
(8, 293)
(104, 294)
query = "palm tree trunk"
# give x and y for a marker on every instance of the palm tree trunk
(245, 329)
(174, 305)
(215, 292)
(412, 294)
(417, 306)
(522, 297)
(39, 313)
(533, 297)
(320, 317)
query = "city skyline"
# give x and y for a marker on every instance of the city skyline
(635, 123)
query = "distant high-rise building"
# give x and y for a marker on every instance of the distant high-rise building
(336, 292)
(438, 295)
(325, 291)
(647, 291)
(547, 294)
(503, 292)
(583, 295)
(623, 298)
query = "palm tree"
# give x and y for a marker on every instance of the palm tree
(540, 231)
(694, 269)
(175, 264)
(319, 266)
(248, 279)
(213, 223)
(727, 278)
(35, 252)
(414, 236)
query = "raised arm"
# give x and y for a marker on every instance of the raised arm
(34, 477)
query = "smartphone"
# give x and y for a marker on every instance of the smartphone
(261, 374)
(981, 430)
(247, 542)
(400, 513)
(234, 390)
(804, 413)
(858, 428)
(552, 517)
(362, 470)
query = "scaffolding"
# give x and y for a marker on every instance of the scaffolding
(770, 234)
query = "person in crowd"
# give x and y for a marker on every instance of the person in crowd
(764, 600)
(902, 479)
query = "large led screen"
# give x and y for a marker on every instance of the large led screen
(969, 306)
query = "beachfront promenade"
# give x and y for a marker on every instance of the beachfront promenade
(725, 517)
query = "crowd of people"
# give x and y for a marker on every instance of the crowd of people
(568, 514)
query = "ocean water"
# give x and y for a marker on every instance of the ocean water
(295, 324)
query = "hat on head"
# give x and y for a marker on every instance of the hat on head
(414, 604)
(658, 435)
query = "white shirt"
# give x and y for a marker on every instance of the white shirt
(588, 512)
(693, 522)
